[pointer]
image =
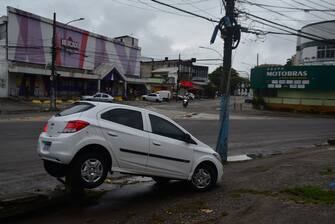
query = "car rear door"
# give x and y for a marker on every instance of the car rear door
(124, 130)
(169, 155)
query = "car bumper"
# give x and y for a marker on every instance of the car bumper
(57, 149)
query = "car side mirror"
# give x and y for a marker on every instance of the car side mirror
(188, 139)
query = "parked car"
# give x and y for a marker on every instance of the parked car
(86, 141)
(165, 94)
(152, 97)
(99, 97)
(189, 95)
(248, 99)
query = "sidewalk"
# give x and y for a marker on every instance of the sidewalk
(288, 188)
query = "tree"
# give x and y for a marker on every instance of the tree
(235, 80)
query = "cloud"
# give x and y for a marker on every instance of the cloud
(163, 32)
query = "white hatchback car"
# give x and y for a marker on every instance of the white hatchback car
(153, 97)
(88, 139)
(99, 97)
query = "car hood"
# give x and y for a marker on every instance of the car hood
(202, 147)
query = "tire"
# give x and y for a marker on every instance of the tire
(55, 169)
(79, 175)
(203, 178)
(157, 101)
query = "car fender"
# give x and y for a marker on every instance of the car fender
(96, 140)
(209, 158)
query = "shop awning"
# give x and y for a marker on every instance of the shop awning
(186, 84)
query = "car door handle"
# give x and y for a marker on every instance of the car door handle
(156, 143)
(112, 134)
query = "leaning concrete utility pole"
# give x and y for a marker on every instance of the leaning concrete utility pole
(227, 35)
(53, 70)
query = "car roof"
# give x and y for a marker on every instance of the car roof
(105, 105)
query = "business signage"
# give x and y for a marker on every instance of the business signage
(293, 77)
(70, 45)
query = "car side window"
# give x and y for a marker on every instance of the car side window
(130, 118)
(104, 96)
(165, 128)
(97, 95)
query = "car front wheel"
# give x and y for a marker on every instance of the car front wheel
(89, 170)
(203, 178)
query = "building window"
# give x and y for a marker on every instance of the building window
(330, 51)
(321, 51)
(326, 51)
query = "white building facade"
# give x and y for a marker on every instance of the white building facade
(85, 62)
(311, 52)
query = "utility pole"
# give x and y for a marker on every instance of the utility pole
(178, 77)
(53, 69)
(222, 143)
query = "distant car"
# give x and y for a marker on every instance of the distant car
(191, 96)
(165, 94)
(104, 97)
(248, 99)
(90, 139)
(155, 97)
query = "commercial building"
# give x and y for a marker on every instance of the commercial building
(308, 84)
(85, 62)
(174, 75)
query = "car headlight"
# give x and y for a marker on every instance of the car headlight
(217, 155)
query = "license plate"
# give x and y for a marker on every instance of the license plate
(46, 146)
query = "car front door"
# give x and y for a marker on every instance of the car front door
(97, 96)
(124, 130)
(169, 155)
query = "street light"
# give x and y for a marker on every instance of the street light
(212, 49)
(75, 20)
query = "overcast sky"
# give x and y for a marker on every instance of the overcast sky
(165, 32)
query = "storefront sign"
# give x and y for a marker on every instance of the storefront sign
(293, 77)
(70, 45)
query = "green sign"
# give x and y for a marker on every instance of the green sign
(294, 77)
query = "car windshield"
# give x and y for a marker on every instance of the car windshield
(152, 94)
(75, 108)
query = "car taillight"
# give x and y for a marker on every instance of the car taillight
(74, 126)
(45, 128)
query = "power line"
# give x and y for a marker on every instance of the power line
(185, 11)
(162, 10)
(315, 28)
(309, 35)
(284, 7)
(329, 3)
(198, 8)
(320, 17)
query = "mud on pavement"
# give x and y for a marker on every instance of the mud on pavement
(288, 188)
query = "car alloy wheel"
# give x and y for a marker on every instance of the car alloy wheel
(92, 170)
(89, 170)
(203, 178)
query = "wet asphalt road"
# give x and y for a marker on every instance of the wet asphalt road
(19, 163)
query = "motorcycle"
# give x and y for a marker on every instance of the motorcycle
(185, 101)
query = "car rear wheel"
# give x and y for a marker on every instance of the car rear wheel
(55, 169)
(203, 178)
(89, 170)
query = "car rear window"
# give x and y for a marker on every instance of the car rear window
(75, 108)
